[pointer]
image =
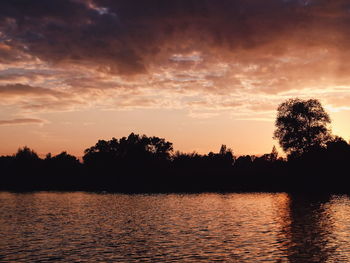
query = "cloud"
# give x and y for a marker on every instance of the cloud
(244, 56)
(20, 90)
(126, 37)
(21, 121)
(38, 99)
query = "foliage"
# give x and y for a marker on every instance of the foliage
(132, 148)
(301, 125)
(62, 159)
(26, 154)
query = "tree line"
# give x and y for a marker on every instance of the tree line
(316, 161)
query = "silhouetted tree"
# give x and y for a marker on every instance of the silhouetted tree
(244, 162)
(338, 145)
(63, 159)
(338, 154)
(26, 160)
(226, 154)
(135, 149)
(223, 149)
(25, 154)
(268, 157)
(301, 125)
(63, 171)
(138, 163)
(26, 168)
(273, 154)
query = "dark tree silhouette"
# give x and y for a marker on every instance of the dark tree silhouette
(244, 162)
(273, 155)
(301, 125)
(134, 148)
(26, 154)
(62, 160)
(226, 154)
(26, 159)
(268, 157)
(138, 163)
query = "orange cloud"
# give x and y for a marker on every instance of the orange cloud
(21, 121)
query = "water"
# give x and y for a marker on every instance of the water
(85, 227)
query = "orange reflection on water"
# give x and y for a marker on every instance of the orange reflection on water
(174, 228)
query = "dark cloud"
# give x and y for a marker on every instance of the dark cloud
(126, 36)
(21, 121)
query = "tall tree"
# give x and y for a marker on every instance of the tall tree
(301, 125)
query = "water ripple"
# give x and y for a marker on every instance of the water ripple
(85, 227)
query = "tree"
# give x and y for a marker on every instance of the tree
(244, 162)
(26, 154)
(273, 155)
(226, 154)
(268, 157)
(301, 125)
(134, 148)
(65, 159)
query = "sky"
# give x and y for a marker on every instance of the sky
(199, 73)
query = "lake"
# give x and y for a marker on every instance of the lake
(252, 227)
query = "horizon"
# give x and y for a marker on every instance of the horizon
(197, 73)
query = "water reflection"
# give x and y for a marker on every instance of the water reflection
(309, 229)
(174, 228)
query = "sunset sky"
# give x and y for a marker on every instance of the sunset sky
(199, 73)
